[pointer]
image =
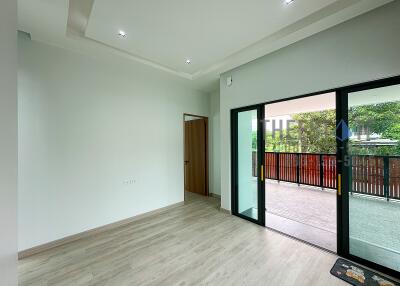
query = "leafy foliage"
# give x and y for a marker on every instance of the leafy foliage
(383, 119)
(315, 132)
(311, 132)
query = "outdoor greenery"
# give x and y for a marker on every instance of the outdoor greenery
(311, 132)
(383, 119)
(315, 132)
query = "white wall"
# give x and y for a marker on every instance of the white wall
(86, 126)
(362, 49)
(8, 142)
(214, 145)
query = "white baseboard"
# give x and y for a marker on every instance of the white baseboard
(215, 196)
(225, 211)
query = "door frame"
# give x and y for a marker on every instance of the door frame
(342, 154)
(260, 162)
(342, 205)
(207, 191)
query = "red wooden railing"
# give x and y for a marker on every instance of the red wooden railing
(394, 178)
(371, 175)
(367, 175)
(376, 175)
(312, 169)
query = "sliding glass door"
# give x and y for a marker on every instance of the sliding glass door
(364, 172)
(247, 168)
(371, 171)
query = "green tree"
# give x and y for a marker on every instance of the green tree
(316, 131)
(382, 119)
(311, 132)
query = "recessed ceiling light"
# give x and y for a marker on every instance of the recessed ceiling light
(287, 2)
(188, 61)
(122, 34)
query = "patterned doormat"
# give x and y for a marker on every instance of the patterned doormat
(357, 275)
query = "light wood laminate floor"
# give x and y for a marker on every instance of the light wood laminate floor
(193, 244)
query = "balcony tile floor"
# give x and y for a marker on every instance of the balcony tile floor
(308, 205)
(309, 213)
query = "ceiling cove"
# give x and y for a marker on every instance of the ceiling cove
(215, 36)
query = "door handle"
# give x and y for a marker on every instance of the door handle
(339, 187)
(262, 173)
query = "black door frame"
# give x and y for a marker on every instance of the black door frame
(342, 216)
(260, 163)
(342, 169)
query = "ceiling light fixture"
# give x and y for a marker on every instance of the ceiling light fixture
(287, 2)
(188, 62)
(122, 34)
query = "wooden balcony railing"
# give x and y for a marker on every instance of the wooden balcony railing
(371, 175)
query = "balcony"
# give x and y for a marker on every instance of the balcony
(377, 176)
(305, 212)
(301, 200)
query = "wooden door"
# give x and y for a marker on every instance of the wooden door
(196, 173)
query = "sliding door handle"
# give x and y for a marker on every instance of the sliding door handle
(262, 173)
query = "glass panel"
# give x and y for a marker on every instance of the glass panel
(247, 164)
(374, 198)
(300, 165)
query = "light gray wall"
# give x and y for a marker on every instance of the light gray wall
(362, 49)
(214, 143)
(8, 142)
(87, 126)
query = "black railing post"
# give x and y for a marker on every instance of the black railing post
(321, 171)
(277, 166)
(298, 168)
(386, 177)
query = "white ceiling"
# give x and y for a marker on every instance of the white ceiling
(314, 103)
(217, 35)
(375, 96)
(205, 31)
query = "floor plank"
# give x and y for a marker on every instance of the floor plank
(193, 244)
